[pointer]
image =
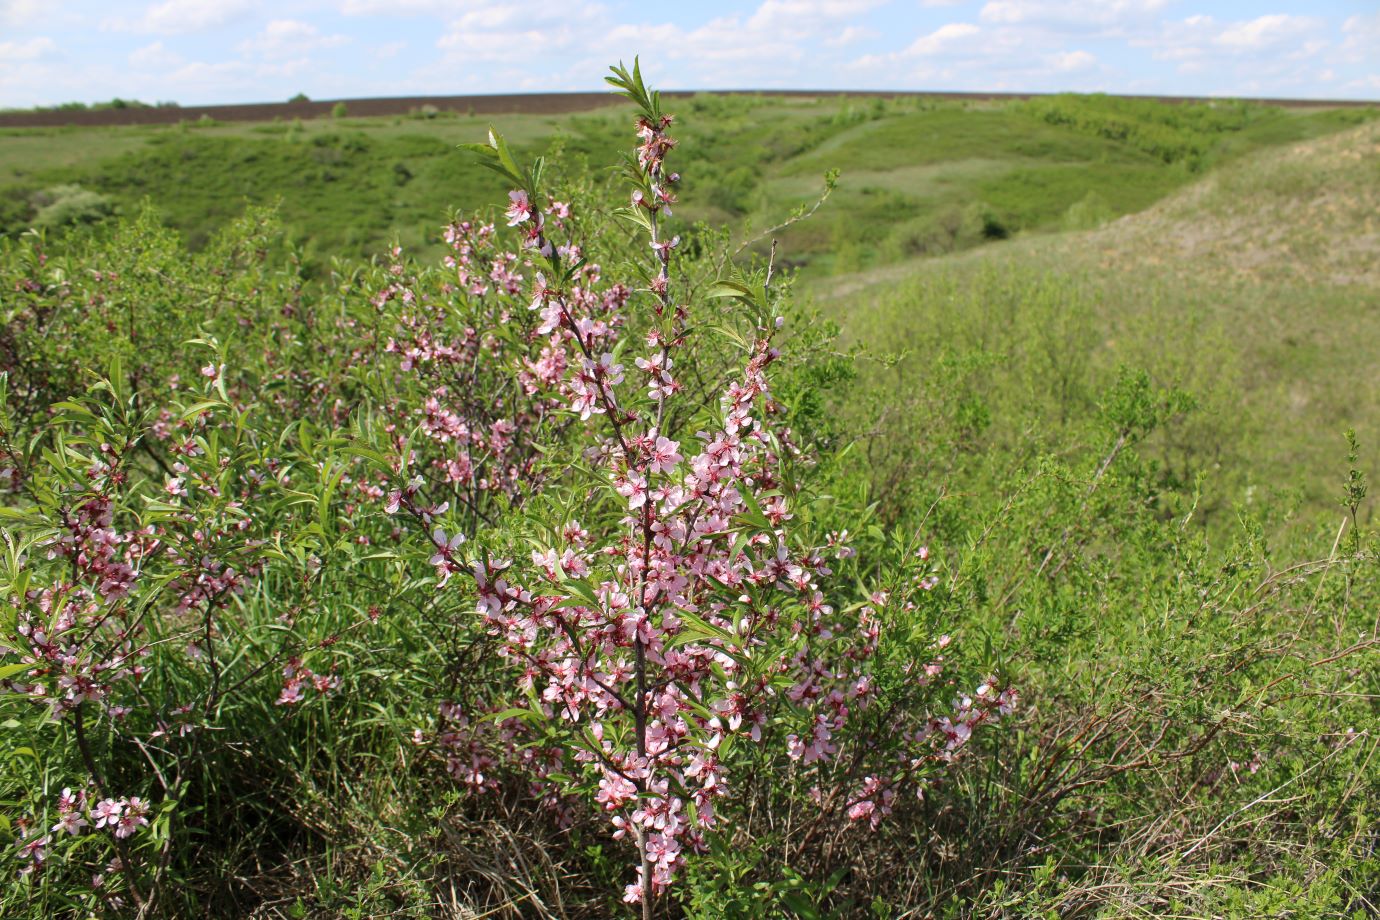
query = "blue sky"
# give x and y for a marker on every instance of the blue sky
(207, 51)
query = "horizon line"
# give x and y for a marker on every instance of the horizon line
(510, 103)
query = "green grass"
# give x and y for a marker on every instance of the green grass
(1252, 258)
(918, 177)
(1254, 289)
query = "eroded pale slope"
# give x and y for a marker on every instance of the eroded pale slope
(1309, 214)
(1257, 288)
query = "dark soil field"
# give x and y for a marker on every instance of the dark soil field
(504, 104)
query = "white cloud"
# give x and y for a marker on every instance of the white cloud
(199, 75)
(804, 17)
(32, 49)
(244, 79)
(17, 14)
(931, 54)
(765, 47)
(849, 36)
(173, 17)
(997, 57)
(942, 38)
(1362, 28)
(492, 30)
(1361, 42)
(283, 38)
(398, 7)
(1201, 41)
(1072, 61)
(736, 52)
(155, 57)
(1263, 32)
(1067, 14)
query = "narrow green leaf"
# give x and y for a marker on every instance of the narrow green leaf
(9, 670)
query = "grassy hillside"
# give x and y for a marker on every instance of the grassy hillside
(1004, 225)
(992, 236)
(1254, 289)
(344, 186)
(919, 177)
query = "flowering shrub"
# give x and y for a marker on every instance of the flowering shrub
(688, 608)
(121, 594)
(593, 460)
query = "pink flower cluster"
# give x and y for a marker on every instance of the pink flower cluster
(130, 561)
(298, 679)
(78, 635)
(122, 817)
(479, 453)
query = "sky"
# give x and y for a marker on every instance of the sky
(218, 51)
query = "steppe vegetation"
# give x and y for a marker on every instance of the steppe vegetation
(992, 540)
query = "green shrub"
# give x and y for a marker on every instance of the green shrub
(1179, 133)
(1092, 210)
(69, 205)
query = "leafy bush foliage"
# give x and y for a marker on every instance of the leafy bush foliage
(66, 205)
(1182, 133)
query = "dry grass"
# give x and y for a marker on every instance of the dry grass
(1308, 214)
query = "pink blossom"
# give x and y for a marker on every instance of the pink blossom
(633, 487)
(107, 812)
(134, 817)
(34, 853)
(71, 823)
(665, 455)
(519, 208)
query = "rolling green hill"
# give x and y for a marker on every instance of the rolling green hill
(1255, 288)
(919, 177)
(1046, 241)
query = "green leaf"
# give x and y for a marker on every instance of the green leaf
(734, 289)
(701, 628)
(497, 156)
(582, 589)
(799, 905)
(198, 408)
(635, 216)
(9, 670)
(754, 514)
(739, 541)
(74, 408)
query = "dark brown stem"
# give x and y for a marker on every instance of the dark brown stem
(89, 761)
